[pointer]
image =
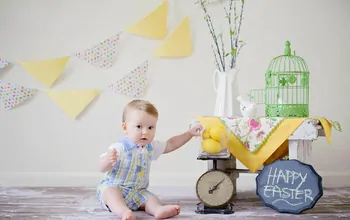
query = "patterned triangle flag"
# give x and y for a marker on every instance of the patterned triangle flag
(3, 63)
(101, 55)
(134, 83)
(73, 102)
(12, 95)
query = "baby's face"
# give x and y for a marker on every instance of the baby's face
(140, 127)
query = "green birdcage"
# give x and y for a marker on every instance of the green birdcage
(287, 87)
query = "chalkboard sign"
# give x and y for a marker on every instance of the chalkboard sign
(289, 186)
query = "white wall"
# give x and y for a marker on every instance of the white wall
(40, 145)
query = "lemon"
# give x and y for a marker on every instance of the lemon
(206, 134)
(218, 132)
(211, 146)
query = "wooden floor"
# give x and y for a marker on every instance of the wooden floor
(80, 204)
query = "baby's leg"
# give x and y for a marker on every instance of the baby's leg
(155, 208)
(113, 198)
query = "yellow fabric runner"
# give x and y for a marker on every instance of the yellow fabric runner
(275, 147)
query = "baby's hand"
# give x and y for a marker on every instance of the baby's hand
(195, 130)
(112, 156)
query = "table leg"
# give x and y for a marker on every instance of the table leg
(300, 150)
(293, 149)
(305, 150)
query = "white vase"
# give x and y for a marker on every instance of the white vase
(225, 88)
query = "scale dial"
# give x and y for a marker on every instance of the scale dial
(215, 188)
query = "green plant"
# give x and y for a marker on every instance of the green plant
(226, 57)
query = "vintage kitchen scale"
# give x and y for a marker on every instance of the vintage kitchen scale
(214, 188)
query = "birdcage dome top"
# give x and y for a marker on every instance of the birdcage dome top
(287, 63)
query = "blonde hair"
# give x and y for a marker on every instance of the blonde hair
(141, 105)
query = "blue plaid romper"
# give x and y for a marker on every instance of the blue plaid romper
(130, 174)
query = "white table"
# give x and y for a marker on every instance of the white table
(300, 142)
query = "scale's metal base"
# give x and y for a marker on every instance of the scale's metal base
(226, 210)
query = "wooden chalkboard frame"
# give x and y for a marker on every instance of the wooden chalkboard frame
(302, 209)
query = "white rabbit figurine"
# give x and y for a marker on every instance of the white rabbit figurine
(248, 109)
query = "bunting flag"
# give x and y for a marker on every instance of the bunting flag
(73, 102)
(134, 83)
(3, 63)
(178, 43)
(12, 95)
(101, 55)
(46, 71)
(154, 25)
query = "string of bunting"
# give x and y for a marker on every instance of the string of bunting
(73, 102)
(102, 55)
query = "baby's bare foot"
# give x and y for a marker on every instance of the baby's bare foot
(167, 211)
(128, 215)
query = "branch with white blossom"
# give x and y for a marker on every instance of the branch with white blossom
(234, 32)
(209, 22)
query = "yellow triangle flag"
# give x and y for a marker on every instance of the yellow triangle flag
(73, 102)
(46, 71)
(154, 25)
(178, 43)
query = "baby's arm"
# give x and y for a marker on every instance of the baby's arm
(179, 140)
(108, 159)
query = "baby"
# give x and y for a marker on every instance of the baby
(127, 164)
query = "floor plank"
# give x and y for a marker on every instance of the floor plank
(80, 204)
